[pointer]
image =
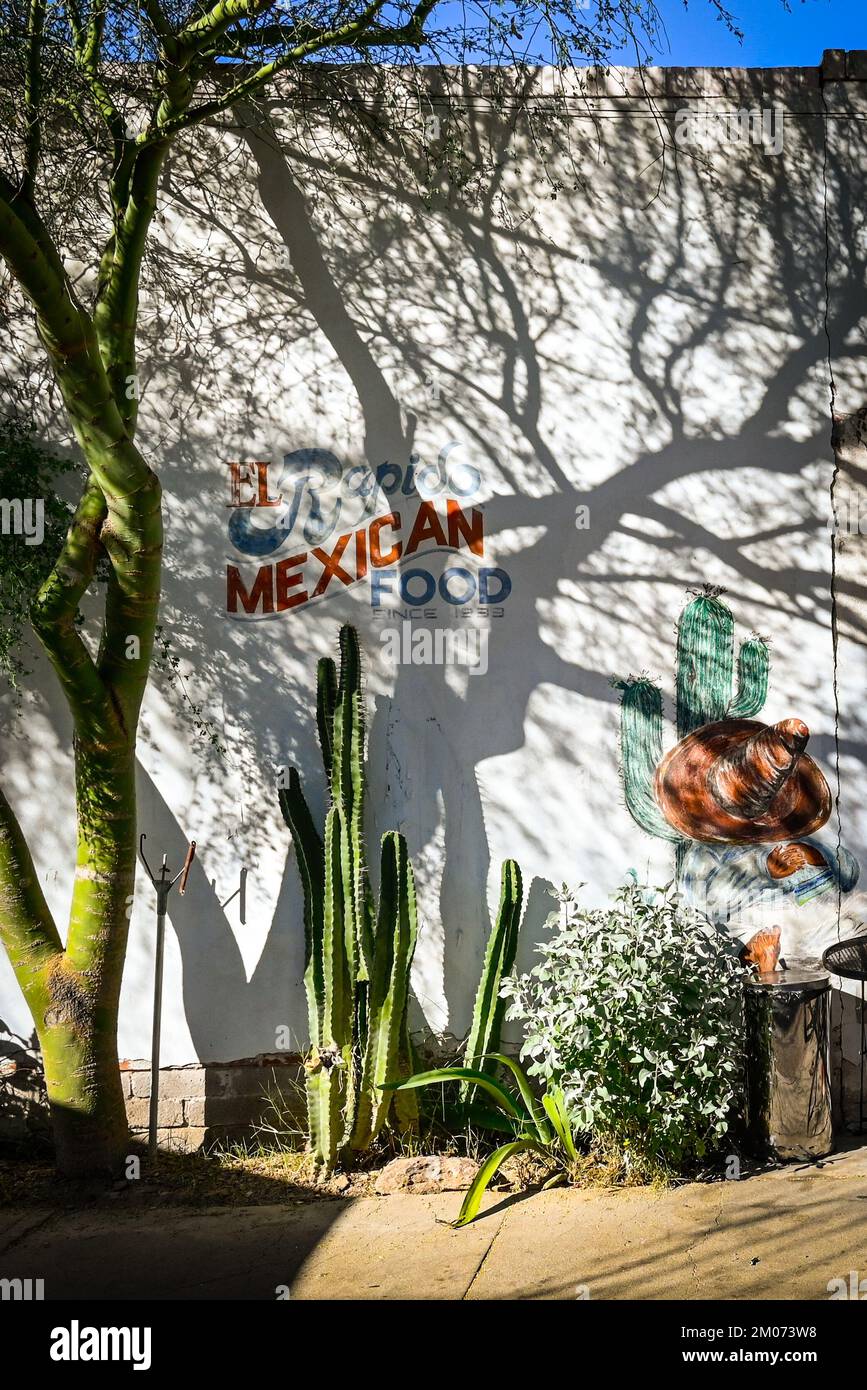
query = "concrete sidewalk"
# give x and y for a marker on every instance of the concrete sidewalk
(779, 1235)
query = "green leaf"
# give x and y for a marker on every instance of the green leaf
(472, 1201)
(556, 1180)
(489, 1007)
(556, 1110)
(533, 1110)
(432, 1078)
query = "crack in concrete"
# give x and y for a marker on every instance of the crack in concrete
(29, 1230)
(478, 1269)
(713, 1229)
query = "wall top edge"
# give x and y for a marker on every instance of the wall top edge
(545, 83)
(367, 82)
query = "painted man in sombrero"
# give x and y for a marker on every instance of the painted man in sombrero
(742, 800)
(751, 800)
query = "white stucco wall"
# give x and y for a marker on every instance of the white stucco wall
(652, 343)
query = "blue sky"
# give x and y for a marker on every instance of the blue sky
(775, 33)
(772, 36)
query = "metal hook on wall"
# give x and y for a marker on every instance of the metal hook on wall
(240, 893)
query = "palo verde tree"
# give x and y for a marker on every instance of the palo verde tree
(94, 94)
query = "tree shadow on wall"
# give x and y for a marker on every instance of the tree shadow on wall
(657, 356)
(470, 261)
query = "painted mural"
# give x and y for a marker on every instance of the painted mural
(311, 526)
(742, 801)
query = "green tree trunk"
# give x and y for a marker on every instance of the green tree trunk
(78, 1032)
(73, 988)
(79, 1053)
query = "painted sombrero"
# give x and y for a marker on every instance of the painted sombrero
(740, 780)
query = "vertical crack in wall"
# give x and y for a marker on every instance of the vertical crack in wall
(835, 473)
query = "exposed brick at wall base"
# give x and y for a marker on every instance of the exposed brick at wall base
(202, 1104)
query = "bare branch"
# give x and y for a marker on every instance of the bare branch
(249, 86)
(116, 313)
(161, 27)
(88, 58)
(240, 41)
(29, 251)
(33, 97)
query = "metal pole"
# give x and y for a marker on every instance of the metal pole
(861, 1074)
(163, 886)
(153, 1115)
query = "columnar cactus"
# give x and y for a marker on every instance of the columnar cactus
(705, 692)
(357, 960)
(393, 948)
(484, 1037)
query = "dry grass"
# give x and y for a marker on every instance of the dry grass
(217, 1179)
(258, 1173)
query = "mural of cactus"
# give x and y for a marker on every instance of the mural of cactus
(705, 667)
(357, 957)
(484, 1037)
(705, 693)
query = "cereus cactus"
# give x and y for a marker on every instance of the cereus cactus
(484, 1037)
(357, 958)
(387, 990)
(705, 692)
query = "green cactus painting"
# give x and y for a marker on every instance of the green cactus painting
(742, 801)
(706, 691)
(357, 956)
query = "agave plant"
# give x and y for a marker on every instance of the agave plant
(540, 1127)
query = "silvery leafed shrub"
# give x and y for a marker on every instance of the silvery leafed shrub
(636, 1011)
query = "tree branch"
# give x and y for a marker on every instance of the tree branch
(131, 532)
(199, 35)
(36, 265)
(88, 56)
(54, 613)
(73, 14)
(325, 38)
(276, 35)
(134, 547)
(27, 928)
(237, 43)
(115, 316)
(68, 336)
(161, 27)
(33, 97)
